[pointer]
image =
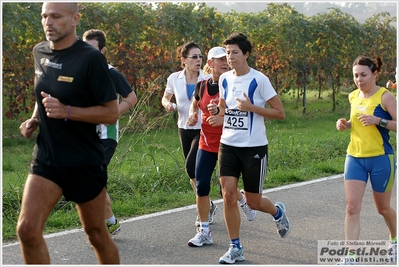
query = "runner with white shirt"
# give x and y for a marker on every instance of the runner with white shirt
(244, 93)
(182, 84)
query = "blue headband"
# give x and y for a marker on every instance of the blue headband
(371, 66)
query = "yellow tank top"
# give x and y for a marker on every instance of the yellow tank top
(368, 141)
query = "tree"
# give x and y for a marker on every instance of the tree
(19, 38)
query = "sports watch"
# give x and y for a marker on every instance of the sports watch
(383, 123)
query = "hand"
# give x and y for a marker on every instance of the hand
(28, 127)
(389, 84)
(215, 120)
(170, 107)
(213, 108)
(368, 120)
(342, 124)
(54, 108)
(193, 119)
(244, 104)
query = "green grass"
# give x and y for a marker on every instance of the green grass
(147, 174)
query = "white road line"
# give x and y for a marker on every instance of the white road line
(188, 207)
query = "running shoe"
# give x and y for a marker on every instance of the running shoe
(249, 213)
(212, 212)
(113, 229)
(392, 251)
(232, 255)
(200, 239)
(283, 224)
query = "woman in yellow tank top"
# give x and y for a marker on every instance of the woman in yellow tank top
(369, 153)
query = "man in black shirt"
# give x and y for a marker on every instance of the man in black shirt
(74, 93)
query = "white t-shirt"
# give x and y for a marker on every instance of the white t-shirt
(241, 128)
(176, 84)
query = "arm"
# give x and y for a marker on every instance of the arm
(127, 103)
(166, 102)
(123, 88)
(30, 125)
(275, 111)
(389, 102)
(106, 113)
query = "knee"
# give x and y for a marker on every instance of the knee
(190, 169)
(255, 205)
(27, 232)
(230, 196)
(384, 211)
(352, 209)
(95, 236)
(203, 189)
(190, 173)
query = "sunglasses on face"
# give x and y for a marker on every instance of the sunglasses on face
(196, 57)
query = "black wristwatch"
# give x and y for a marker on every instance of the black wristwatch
(383, 123)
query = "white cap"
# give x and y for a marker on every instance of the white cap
(216, 52)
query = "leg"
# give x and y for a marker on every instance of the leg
(113, 224)
(39, 198)
(382, 178)
(203, 208)
(193, 183)
(109, 150)
(248, 211)
(231, 213)
(262, 203)
(91, 215)
(205, 165)
(253, 178)
(108, 210)
(189, 143)
(354, 191)
(383, 204)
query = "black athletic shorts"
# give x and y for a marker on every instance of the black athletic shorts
(78, 184)
(109, 149)
(249, 162)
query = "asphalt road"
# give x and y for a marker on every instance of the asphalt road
(316, 210)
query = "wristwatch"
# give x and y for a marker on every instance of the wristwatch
(383, 123)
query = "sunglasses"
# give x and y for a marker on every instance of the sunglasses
(196, 57)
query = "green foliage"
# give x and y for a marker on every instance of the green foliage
(19, 38)
(292, 49)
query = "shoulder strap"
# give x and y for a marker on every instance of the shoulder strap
(201, 90)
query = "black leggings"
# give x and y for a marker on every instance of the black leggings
(189, 140)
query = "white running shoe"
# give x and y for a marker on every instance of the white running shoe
(283, 224)
(200, 239)
(249, 213)
(232, 255)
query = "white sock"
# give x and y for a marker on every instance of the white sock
(112, 220)
(205, 227)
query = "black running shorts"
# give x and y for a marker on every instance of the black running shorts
(250, 162)
(78, 184)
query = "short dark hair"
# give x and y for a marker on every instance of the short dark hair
(98, 35)
(183, 50)
(374, 65)
(241, 40)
